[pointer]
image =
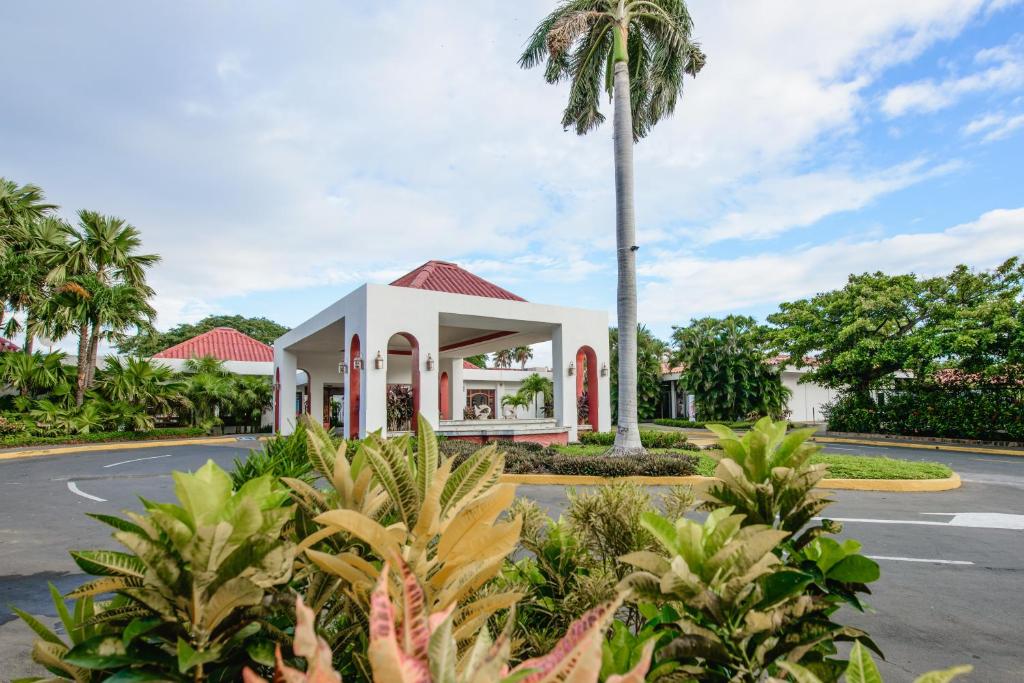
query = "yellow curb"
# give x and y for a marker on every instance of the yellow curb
(117, 446)
(922, 446)
(701, 483)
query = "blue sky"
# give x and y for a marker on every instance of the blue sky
(279, 154)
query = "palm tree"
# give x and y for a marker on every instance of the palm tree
(638, 51)
(141, 382)
(23, 271)
(503, 358)
(535, 384)
(101, 264)
(522, 355)
(20, 205)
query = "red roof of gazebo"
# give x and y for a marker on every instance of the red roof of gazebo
(223, 343)
(442, 276)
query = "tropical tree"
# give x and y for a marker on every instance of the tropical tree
(522, 355)
(23, 271)
(141, 382)
(503, 358)
(479, 360)
(20, 205)
(251, 395)
(104, 272)
(726, 364)
(208, 386)
(151, 342)
(638, 51)
(649, 354)
(32, 374)
(534, 385)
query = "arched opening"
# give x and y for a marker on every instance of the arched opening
(403, 382)
(303, 392)
(586, 387)
(443, 402)
(354, 379)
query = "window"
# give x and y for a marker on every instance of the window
(480, 404)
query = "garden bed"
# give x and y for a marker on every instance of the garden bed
(840, 466)
(18, 440)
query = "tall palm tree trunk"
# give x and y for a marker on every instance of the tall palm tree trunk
(29, 336)
(627, 439)
(94, 342)
(83, 362)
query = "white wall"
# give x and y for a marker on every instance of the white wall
(808, 398)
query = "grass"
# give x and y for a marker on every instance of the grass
(840, 466)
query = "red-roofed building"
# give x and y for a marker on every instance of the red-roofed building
(442, 276)
(240, 353)
(410, 338)
(8, 345)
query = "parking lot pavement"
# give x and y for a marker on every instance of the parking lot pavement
(949, 593)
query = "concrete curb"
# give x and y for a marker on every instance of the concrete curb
(921, 446)
(701, 483)
(118, 446)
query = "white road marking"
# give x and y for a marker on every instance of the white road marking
(73, 487)
(1001, 462)
(918, 559)
(125, 462)
(971, 520)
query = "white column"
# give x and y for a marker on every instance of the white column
(285, 365)
(458, 389)
(429, 343)
(672, 399)
(315, 387)
(564, 386)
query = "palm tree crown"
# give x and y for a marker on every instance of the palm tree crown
(582, 40)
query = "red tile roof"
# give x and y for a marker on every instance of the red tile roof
(442, 276)
(223, 343)
(466, 365)
(8, 345)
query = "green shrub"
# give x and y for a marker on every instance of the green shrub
(650, 438)
(13, 440)
(282, 456)
(687, 424)
(989, 412)
(527, 458)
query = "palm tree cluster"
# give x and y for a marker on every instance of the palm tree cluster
(59, 279)
(128, 394)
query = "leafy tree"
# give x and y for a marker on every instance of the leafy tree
(24, 267)
(638, 52)
(650, 351)
(479, 360)
(725, 365)
(878, 325)
(151, 342)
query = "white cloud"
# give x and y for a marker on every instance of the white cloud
(778, 204)
(683, 286)
(258, 152)
(1005, 73)
(994, 126)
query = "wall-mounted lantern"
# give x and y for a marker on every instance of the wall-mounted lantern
(430, 363)
(378, 362)
(342, 368)
(357, 363)
(572, 368)
(604, 369)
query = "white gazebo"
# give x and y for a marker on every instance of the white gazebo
(414, 333)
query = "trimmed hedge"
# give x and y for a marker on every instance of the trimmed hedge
(984, 413)
(676, 422)
(14, 440)
(650, 438)
(532, 458)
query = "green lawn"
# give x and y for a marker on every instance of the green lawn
(840, 466)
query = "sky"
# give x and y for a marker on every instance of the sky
(279, 154)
